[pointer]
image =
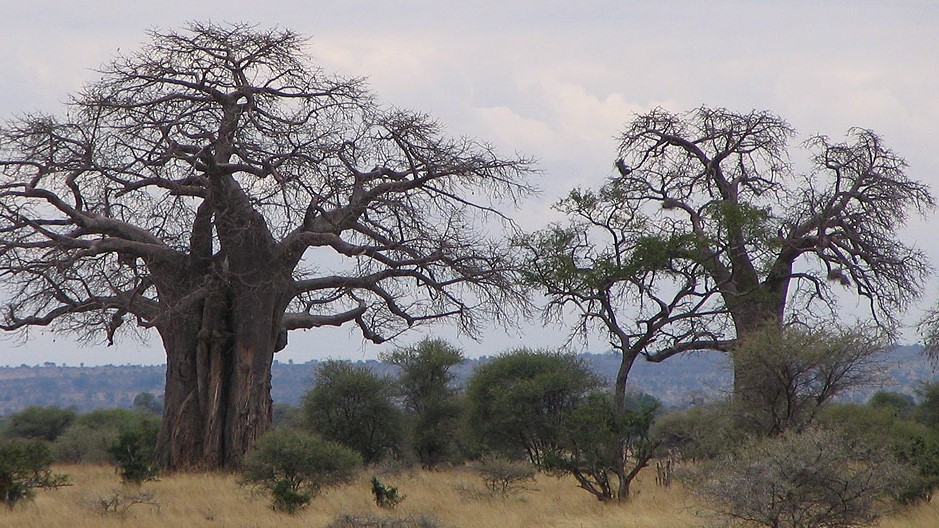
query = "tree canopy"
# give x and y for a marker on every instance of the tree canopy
(219, 188)
(707, 232)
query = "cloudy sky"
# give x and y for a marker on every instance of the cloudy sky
(549, 79)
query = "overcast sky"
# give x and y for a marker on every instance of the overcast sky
(548, 79)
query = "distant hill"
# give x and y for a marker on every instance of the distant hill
(692, 378)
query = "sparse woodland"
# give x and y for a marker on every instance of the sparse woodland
(219, 188)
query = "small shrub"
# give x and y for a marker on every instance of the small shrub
(470, 492)
(385, 496)
(294, 466)
(288, 499)
(80, 444)
(503, 476)
(120, 501)
(90, 436)
(698, 433)
(913, 444)
(148, 403)
(24, 467)
(134, 452)
(347, 520)
(807, 480)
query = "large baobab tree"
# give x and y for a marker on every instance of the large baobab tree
(218, 188)
(706, 234)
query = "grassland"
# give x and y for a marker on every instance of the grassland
(196, 500)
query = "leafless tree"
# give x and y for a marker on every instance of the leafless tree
(789, 374)
(929, 328)
(706, 234)
(807, 480)
(218, 188)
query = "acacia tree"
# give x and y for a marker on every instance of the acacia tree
(353, 406)
(425, 385)
(218, 188)
(705, 234)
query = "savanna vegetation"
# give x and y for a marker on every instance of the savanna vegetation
(185, 189)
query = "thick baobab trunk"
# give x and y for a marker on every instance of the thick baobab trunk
(760, 309)
(218, 390)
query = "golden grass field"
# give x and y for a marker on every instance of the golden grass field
(195, 500)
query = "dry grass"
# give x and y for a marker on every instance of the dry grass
(196, 500)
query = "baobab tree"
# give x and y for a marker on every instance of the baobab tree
(705, 234)
(218, 188)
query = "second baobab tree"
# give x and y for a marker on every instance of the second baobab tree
(706, 234)
(218, 188)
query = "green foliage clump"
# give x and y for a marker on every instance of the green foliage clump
(294, 466)
(385, 496)
(39, 423)
(134, 452)
(789, 374)
(147, 402)
(911, 443)
(701, 432)
(900, 404)
(518, 400)
(287, 498)
(541, 404)
(24, 467)
(603, 447)
(425, 384)
(286, 415)
(351, 405)
(91, 435)
(927, 412)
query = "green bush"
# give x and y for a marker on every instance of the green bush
(789, 374)
(148, 403)
(927, 412)
(353, 406)
(698, 433)
(517, 401)
(294, 466)
(285, 415)
(911, 443)
(900, 404)
(426, 389)
(88, 439)
(134, 453)
(602, 447)
(385, 496)
(24, 467)
(39, 423)
(287, 498)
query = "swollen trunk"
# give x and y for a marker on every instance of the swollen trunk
(217, 399)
